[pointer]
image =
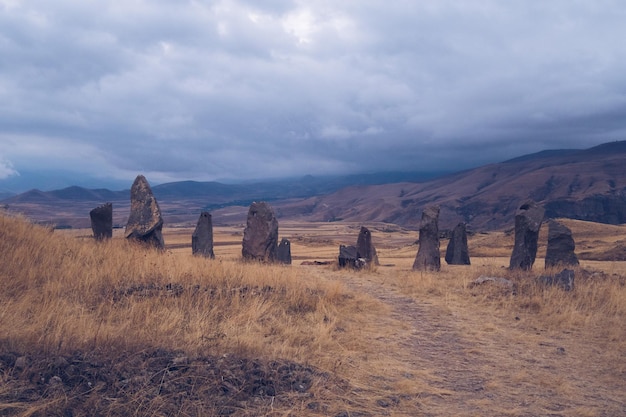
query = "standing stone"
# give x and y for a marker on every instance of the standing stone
(283, 254)
(364, 247)
(348, 257)
(428, 256)
(202, 237)
(145, 222)
(102, 221)
(457, 252)
(528, 220)
(260, 237)
(561, 246)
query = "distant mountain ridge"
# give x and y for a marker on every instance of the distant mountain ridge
(581, 184)
(587, 184)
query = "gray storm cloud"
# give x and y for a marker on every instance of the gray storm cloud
(236, 89)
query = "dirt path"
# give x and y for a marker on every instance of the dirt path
(468, 363)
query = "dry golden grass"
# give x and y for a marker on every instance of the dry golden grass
(387, 341)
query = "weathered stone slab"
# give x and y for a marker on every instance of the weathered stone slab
(365, 248)
(202, 237)
(428, 257)
(145, 223)
(457, 252)
(528, 220)
(260, 237)
(283, 254)
(561, 246)
(102, 221)
(347, 256)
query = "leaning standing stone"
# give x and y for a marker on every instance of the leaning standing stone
(283, 254)
(365, 248)
(561, 246)
(102, 221)
(202, 237)
(428, 256)
(145, 222)
(528, 220)
(260, 237)
(457, 252)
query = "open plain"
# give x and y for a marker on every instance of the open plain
(115, 329)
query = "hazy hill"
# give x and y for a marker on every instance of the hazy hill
(581, 184)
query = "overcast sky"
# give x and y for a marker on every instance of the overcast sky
(247, 89)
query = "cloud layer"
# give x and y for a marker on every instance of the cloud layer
(238, 89)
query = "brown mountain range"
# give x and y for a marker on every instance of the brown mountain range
(580, 184)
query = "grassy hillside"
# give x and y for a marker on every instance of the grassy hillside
(110, 328)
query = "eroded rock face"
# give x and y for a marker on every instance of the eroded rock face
(260, 237)
(528, 220)
(348, 257)
(561, 245)
(202, 237)
(428, 255)
(102, 221)
(145, 223)
(283, 254)
(457, 252)
(365, 248)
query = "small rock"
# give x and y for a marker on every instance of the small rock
(21, 362)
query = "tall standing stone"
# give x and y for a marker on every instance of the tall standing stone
(283, 253)
(428, 256)
(202, 237)
(365, 248)
(260, 237)
(457, 252)
(145, 223)
(561, 246)
(102, 221)
(528, 220)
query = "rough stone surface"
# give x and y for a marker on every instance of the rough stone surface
(428, 256)
(365, 248)
(561, 246)
(202, 237)
(145, 222)
(102, 221)
(260, 237)
(528, 220)
(283, 254)
(347, 256)
(564, 280)
(457, 252)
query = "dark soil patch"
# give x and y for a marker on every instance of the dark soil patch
(151, 382)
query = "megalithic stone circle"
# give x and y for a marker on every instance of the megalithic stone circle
(145, 222)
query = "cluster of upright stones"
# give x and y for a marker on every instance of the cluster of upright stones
(359, 256)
